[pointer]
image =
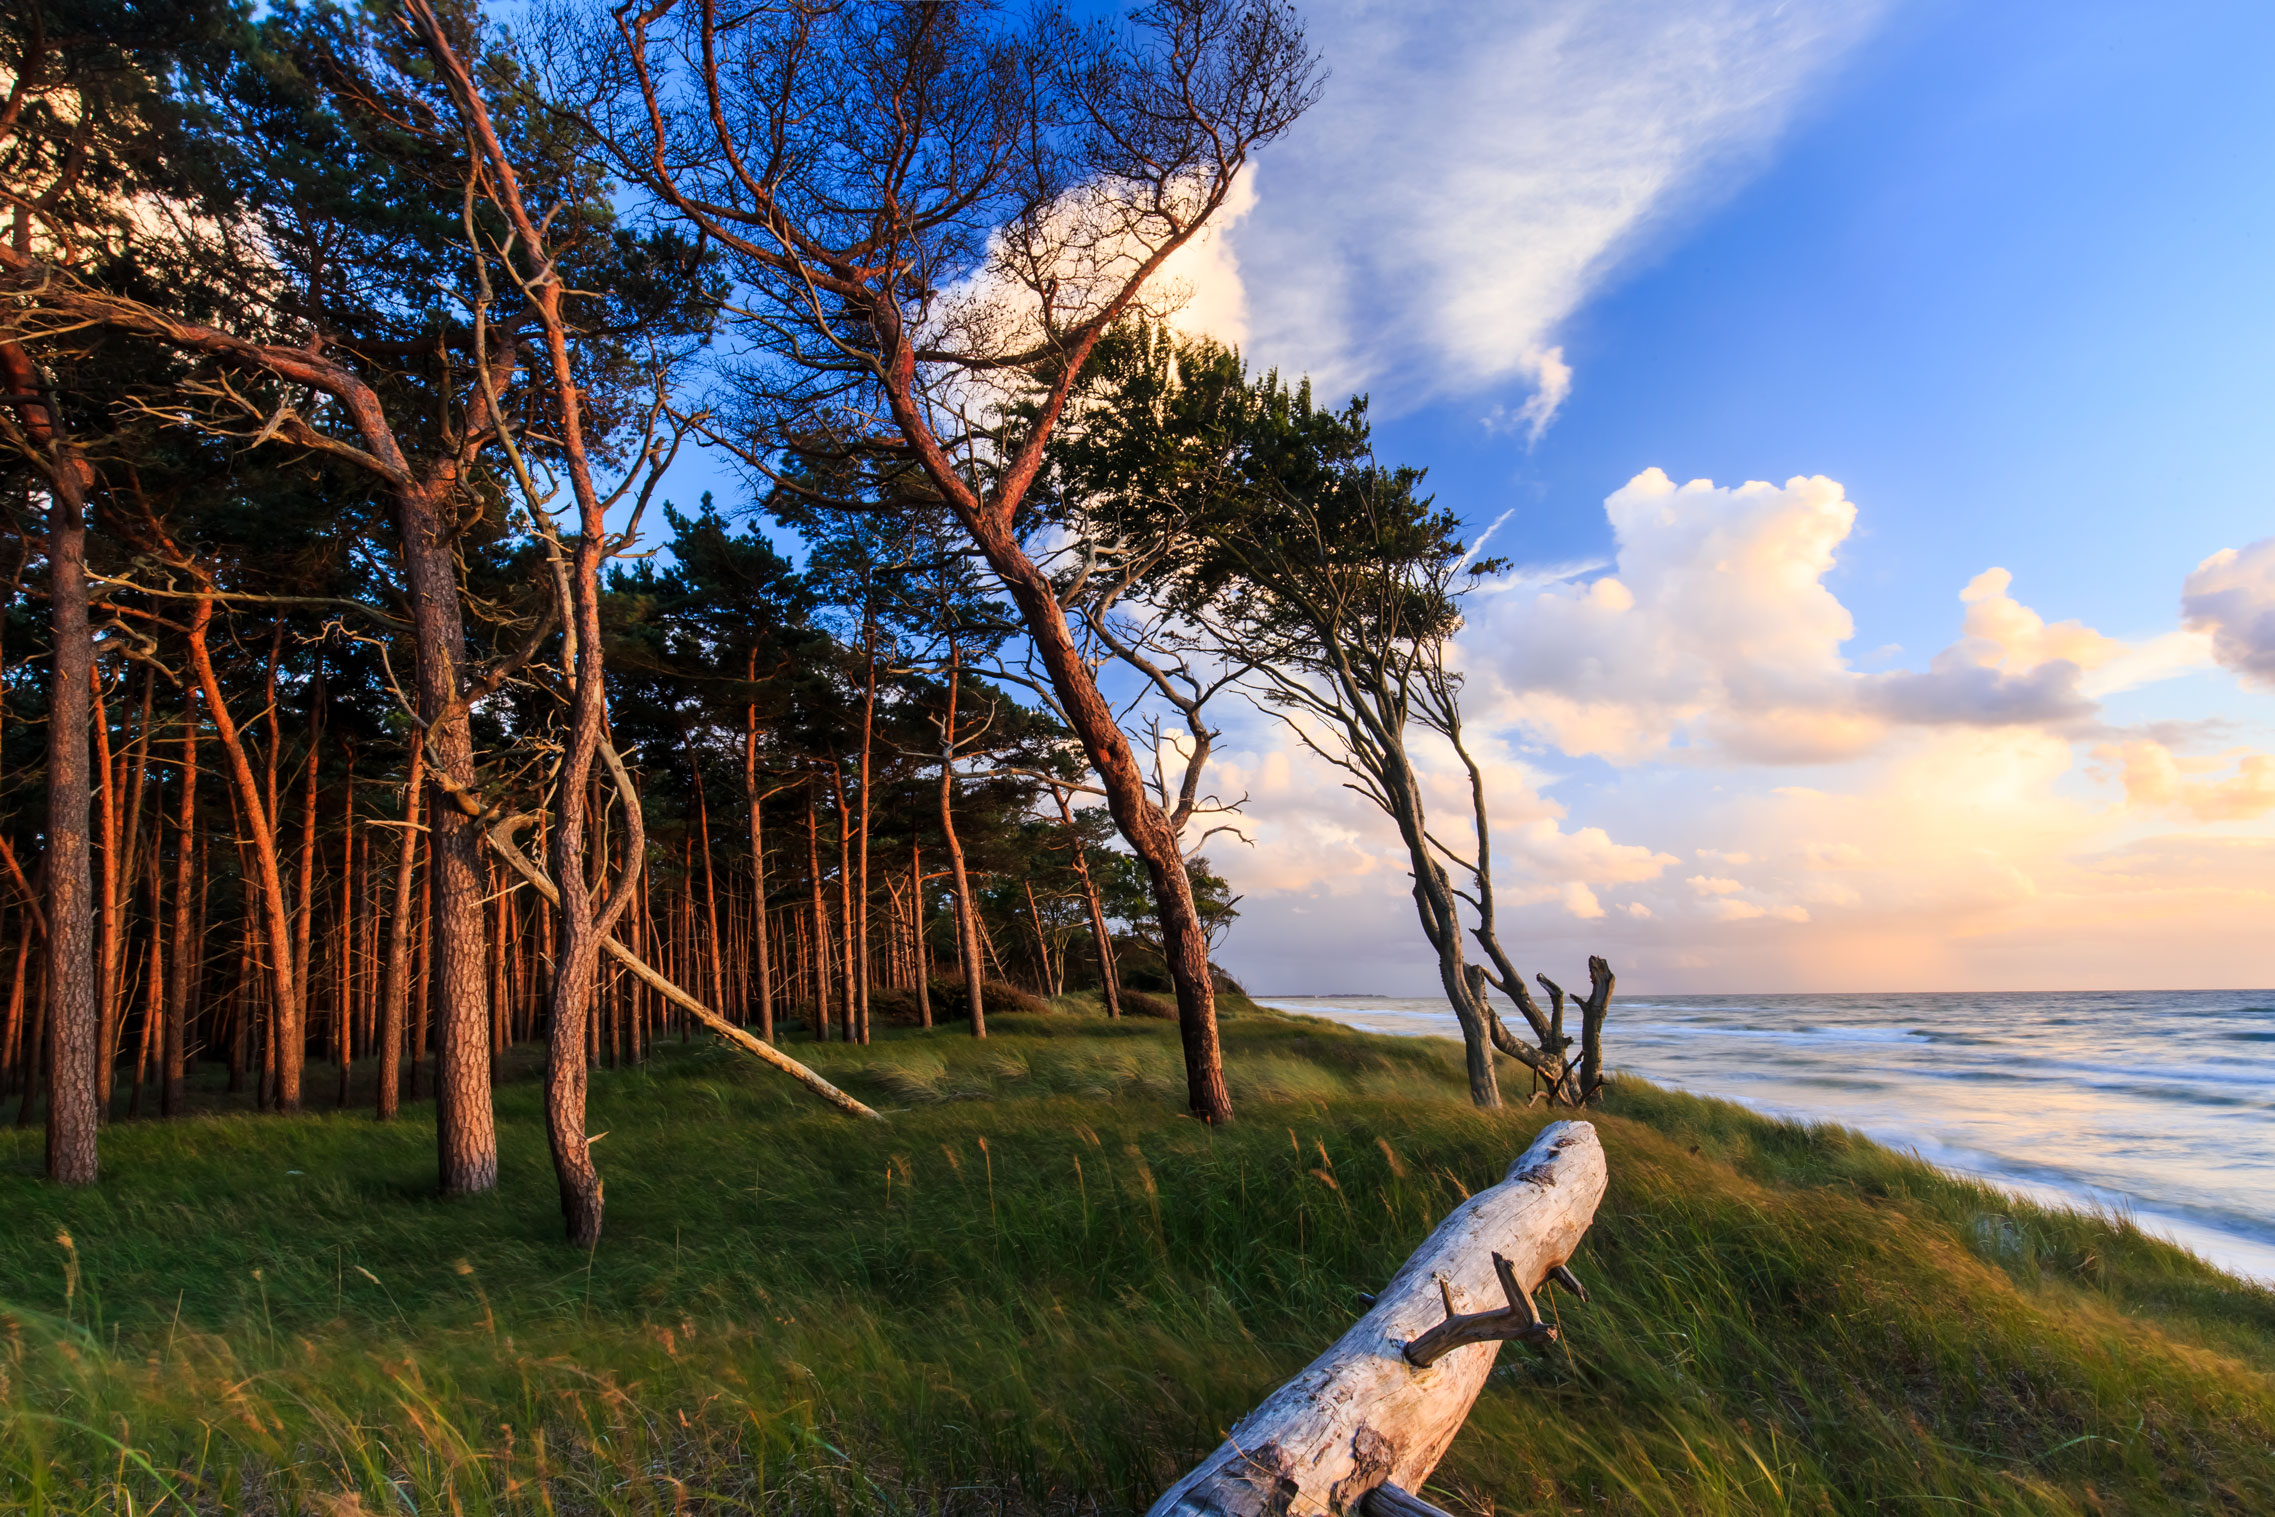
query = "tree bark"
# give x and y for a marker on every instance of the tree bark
(585, 922)
(848, 919)
(916, 931)
(70, 1008)
(134, 780)
(710, 884)
(967, 919)
(466, 1137)
(153, 986)
(1109, 972)
(501, 1001)
(12, 1041)
(344, 935)
(73, 1032)
(1184, 942)
(1045, 971)
(1363, 1416)
(820, 947)
(35, 1049)
(395, 1002)
(107, 942)
(292, 1050)
(284, 990)
(756, 803)
(178, 982)
(422, 980)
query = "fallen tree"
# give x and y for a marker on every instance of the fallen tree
(499, 834)
(500, 839)
(1367, 1422)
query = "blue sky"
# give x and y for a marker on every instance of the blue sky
(2001, 275)
(2009, 275)
(1961, 695)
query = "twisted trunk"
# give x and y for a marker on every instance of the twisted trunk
(582, 929)
(1184, 941)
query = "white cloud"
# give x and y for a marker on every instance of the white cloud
(1473, 172)
(1969, 823)
(2222, 787)
(1581, 902)
(1202, 278)
(1715, 618)
(2231, 597)
(1552, 386)
(1716, 634)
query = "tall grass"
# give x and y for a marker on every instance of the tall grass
(1038, 1288)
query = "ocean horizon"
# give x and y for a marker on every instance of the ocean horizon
(2154, 1105)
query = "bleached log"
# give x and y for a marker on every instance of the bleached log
(1365, 1415)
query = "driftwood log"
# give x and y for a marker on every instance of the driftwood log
(1365, 1425)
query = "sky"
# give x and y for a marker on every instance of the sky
(1875, 396)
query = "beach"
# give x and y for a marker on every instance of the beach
(2158, 1105)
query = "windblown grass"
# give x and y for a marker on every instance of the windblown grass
(1039, 1288)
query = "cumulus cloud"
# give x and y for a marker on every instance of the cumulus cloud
(1581, 902)
(2231, 597)
(1474, 172)
(1715, 633)
(2007, 666)
(1981, 695)
(1972, 822)
(1326, 887)
(1715, 617)
(2223, 787)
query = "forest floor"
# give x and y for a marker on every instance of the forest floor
(1038, 1287)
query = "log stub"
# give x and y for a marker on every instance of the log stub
(1362, 1417)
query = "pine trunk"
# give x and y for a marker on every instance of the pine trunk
(73, 1031)
(967, 919)
(395, 999)
(284, 991)
(178, 982)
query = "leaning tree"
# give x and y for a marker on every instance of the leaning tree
(924, 205)
(1337, 586)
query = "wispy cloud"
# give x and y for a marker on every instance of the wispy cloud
(1474, 173)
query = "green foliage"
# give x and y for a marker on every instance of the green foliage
(1250, 507)
(1036, 1288)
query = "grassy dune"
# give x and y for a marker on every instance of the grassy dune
(1038, 1288)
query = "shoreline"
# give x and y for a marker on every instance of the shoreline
(2238, 1254)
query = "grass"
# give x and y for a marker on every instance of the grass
(1037, 1288)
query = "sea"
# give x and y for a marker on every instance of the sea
(2156, 1105)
